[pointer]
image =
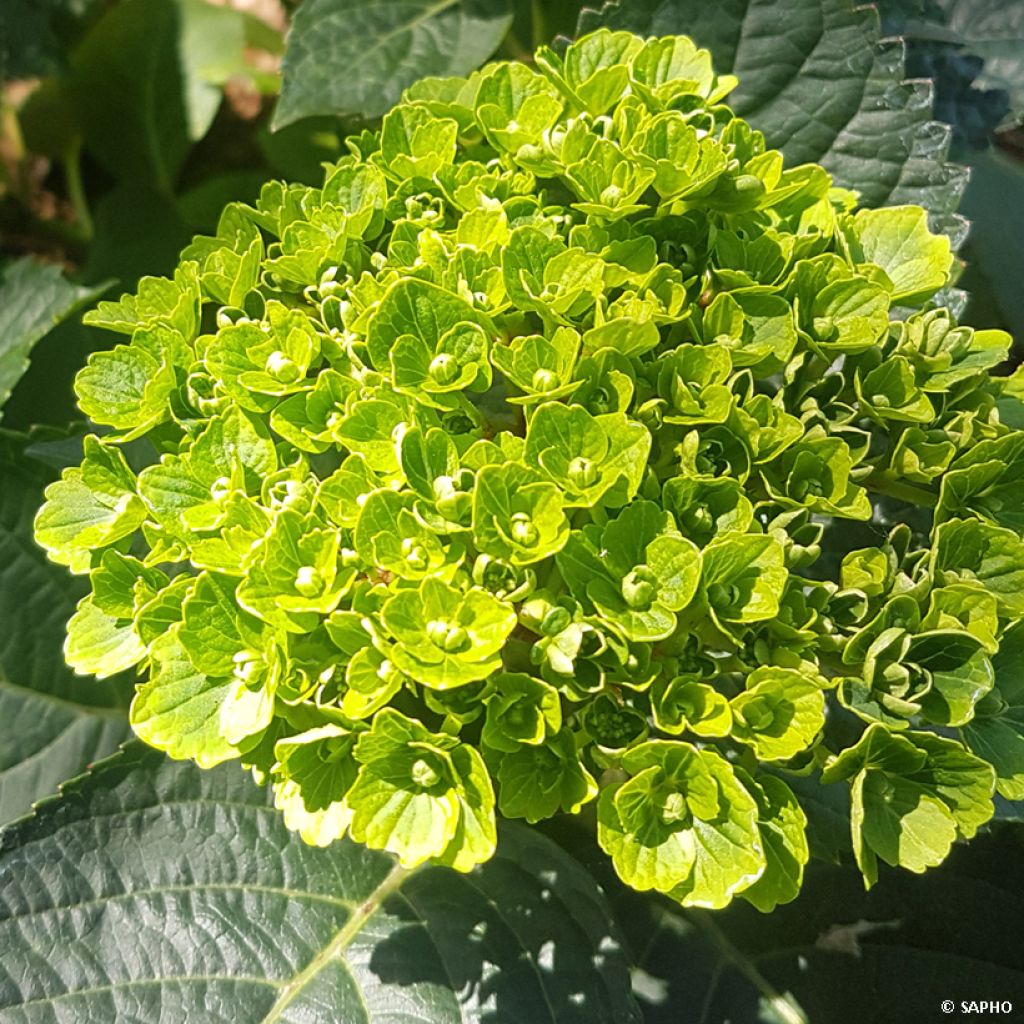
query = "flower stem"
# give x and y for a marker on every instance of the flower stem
(76, 190)
(881, 483)
(539, 28)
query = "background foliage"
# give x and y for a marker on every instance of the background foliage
(125, 125)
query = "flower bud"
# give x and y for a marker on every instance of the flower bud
(451, 639)
(674, 809)
(451, 495)
(652, 414)
(758, 713)
(456, 640)
(388, 671)
(228, 316)
(543, 381)
(281, 368)
(583, 473)
(639, 588)
(601, 401)
(723, 596)
(437, 630)
(249, 667)
(308, 581)
(523, 530)
(700, 518)
(492, 574)
(555, 620)
(204, 394)
(287, 493)
(455, 507)
(443, 369)
(553, 138)
(220, 489)
(331, 289)
(825, 328)
(443, 486)
(749, 184)
(423, 774)
(415, 554)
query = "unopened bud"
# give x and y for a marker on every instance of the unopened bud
(308, 581)
(281, 368)
(523, 530)
(443, 369)
(543, 381)
(424, 774)
(639, 588)
(583, 473)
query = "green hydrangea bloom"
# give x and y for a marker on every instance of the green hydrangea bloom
(525, 464)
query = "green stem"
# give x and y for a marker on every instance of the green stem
(335, 949)
(783, 1006)
(466, 406)
(880, 483)
(451, 725)
(538, 24)
(76, 190)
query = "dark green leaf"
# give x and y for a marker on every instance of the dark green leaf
(999, 737)
(994, 202)
(34, 298)
(52, 724)
(204, 907)
(34, 34)
(869, 128)
(838, 953)
(298, 151)
(356, 56)
(146, 80)
(992, 30)
(139, 231)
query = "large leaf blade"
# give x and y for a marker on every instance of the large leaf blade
(838, 952)
(154, 891)
(146, 82)
(814, 77)
(34, 298)
(356, 56)
(993, 30)
(52, 724)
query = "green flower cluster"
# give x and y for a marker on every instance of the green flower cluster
(495, 476)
